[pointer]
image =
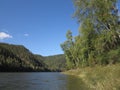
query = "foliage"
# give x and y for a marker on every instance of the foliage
(98, 41)
(99, 77)
(18, 58)
(55, 63)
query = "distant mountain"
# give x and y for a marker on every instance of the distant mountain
(17, 58)
(55, 62)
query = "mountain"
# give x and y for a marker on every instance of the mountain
(55, 62)
(17, 58)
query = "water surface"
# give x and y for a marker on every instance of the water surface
(40, 81)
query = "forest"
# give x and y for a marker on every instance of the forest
(98, 40)
(55, 62)
(17, 58)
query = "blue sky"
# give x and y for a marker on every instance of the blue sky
(118, 6)
(39, 25)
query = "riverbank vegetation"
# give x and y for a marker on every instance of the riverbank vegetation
(99, 77)
(98, 40)
(94, 54)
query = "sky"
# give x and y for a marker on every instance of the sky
(39, 25)
(118, 6)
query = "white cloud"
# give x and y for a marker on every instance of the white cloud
(26, 34)
(4, 35)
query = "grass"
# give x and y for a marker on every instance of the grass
(99, 77)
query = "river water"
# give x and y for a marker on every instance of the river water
(40, 81)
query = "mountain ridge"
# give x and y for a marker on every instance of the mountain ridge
(17, 58)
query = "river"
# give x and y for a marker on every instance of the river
(40, 81)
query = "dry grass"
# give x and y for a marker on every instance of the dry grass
(99, 77)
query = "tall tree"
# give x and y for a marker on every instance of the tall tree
(99, 33)
(67, 48)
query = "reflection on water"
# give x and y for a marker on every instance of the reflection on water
(39, 81)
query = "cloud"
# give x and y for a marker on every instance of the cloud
(4, 35)
(26, 35)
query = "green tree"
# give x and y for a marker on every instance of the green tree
(99, 27)
(67, 48)
(99, 33)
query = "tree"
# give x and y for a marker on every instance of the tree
(99, 33)
(99, 26)
(67, 48)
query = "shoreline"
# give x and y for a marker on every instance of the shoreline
(99, 77)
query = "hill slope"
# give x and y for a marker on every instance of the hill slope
(55, 62)
(18, 58)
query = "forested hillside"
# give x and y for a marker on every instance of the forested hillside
(18, 58)
(55, 62)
